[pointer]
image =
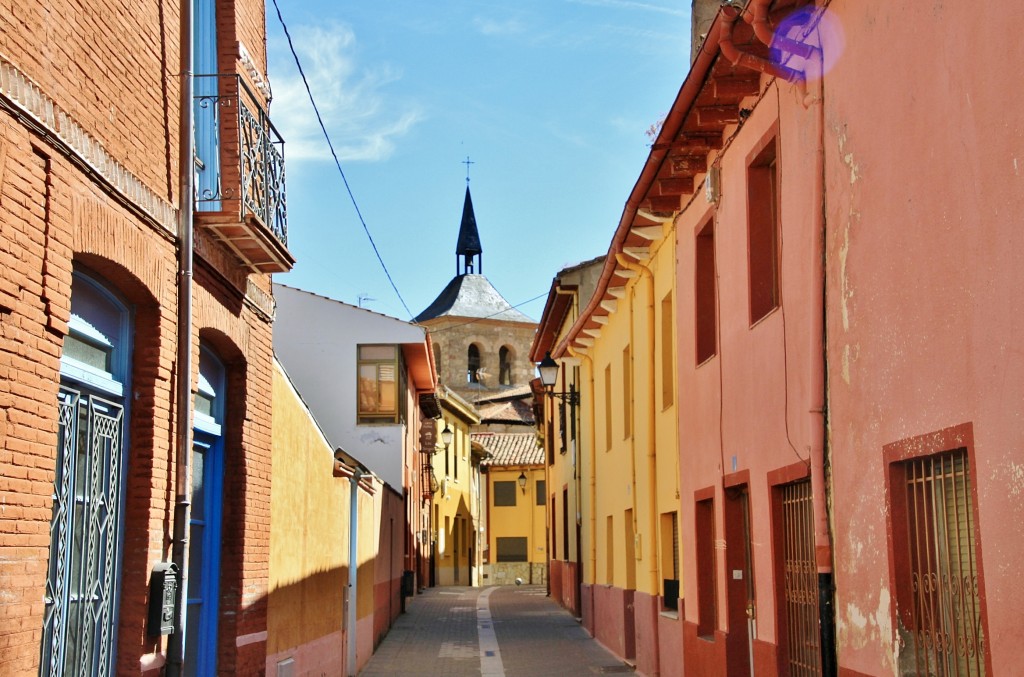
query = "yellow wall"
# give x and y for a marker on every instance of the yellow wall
(525, 518)
(309, 531)
(635, 470)
(455, 502)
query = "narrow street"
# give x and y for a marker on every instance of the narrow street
(495, 632)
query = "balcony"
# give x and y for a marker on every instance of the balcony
(240, 188)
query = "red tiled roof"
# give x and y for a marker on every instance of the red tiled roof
(510, 448)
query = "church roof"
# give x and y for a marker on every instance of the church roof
(472, 295)
(469, 236)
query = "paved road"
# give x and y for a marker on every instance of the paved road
(503, 631)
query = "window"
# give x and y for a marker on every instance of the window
(505, 366)
(206, 110)
(797, 599)
(541, 492)
(455, 453)
(88, 493)
(629, 538)
(609, 548)
(505, 493)
(762, 233)
(670, 560)
(627, 393)
(511, 548)
(379, 379)
(936, 564)
(668, 376)
(565, 524)
(707, 607)
(608, 407)
(473, 364)
(704, 292)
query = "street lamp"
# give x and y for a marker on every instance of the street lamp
(548, 369)
(522, 481)
(446, 436)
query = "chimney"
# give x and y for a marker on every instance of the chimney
(702, 13)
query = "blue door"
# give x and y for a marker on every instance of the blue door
(205, 523)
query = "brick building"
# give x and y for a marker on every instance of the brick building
(135, 334)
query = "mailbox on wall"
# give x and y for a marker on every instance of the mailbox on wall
(163, 593)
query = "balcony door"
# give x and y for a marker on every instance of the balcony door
(207, 105)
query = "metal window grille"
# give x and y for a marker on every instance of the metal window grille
(81, 585)
(946, 633)
(801, 586)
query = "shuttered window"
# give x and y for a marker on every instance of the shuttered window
(379, 384)
(936, 555)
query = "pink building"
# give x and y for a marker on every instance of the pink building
(843, 179)
(924, 148)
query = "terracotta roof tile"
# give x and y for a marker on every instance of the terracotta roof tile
(510, 448)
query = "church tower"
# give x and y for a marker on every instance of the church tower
(481, 343)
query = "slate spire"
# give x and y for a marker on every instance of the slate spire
(469, 253)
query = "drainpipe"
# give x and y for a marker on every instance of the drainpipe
(593, 468)
(652, 453)
(183, 484)
(816, 430)
(353, 571)
(819, 410)
(729, 50)
(632, 435)
(756, 15)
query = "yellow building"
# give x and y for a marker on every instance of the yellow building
(307, 624)
(621, 348)
(561, 431)
(516, 508)
(455, 547)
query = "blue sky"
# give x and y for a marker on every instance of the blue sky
(550, 99)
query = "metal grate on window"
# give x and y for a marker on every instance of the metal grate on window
(945, 633)
(801, 582)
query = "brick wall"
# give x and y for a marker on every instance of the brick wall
(88, 115)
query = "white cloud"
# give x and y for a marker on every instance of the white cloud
(493, 27)
(633, 4)
(361, 118)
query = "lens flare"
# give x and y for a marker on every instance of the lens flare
(810, 41)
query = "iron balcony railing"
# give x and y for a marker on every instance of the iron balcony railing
(239, 154)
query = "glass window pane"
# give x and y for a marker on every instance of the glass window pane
(368, 388)
(377, 352)
(198, 488)
(388, 392)
(195, 560)
(96, 356)
(204, 405)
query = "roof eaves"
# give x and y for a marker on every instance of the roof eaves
(682, 105)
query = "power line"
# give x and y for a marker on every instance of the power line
(487, 317)
(337, 162)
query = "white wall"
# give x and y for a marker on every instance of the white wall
(315, 340)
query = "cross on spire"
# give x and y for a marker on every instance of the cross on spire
(467, 162)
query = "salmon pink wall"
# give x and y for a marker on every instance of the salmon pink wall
(924, 185)
(745, 412)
